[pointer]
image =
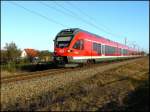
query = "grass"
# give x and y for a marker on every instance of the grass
(117, 89)
(137, 100)
(28, 67)
(91, 95)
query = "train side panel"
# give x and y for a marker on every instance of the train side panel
(85, 46)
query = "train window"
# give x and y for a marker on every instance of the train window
(63, 41)
(110, 50)
(79, 45)
(64, 38)
(66, 32)
(106, 50)
(125, 51)
(82, 44)
(62, 44)
(119, 50)
(97, 47)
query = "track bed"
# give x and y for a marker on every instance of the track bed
(85, 89)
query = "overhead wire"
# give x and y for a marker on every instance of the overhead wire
(53, 21)
(83, 13)
(49, 19)
(83, 20)
(56, 9)
(37, 13)
(72, 14)
(79, 18)
(62, 11)
(90, 18)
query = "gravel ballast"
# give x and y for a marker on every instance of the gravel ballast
(26, 90)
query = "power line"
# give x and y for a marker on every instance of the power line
(54, 8)
(51, 20)
(36, 13)
(63, 12)
(75, 15)
(90, 18)
(70, 14)
(83, 13)
(85, 21)
(58, 10)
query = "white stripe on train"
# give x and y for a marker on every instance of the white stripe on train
(95, 57)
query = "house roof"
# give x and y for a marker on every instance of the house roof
(31, 52)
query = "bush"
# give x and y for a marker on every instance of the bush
(10, 67)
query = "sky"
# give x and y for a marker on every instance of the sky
(34, 24)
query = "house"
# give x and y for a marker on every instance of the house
(29, 53)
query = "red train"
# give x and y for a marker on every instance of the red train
(76, 45)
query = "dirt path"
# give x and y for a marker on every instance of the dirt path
(31, 95)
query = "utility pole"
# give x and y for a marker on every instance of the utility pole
(125, 40)
(133, 43)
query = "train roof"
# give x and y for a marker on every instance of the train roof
(74, 31)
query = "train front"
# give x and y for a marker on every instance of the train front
(61, 46)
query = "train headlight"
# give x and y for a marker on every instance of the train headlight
(69, 50)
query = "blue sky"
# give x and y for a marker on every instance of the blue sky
(114, 20)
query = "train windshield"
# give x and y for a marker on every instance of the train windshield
(63, 41)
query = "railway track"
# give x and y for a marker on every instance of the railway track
(38, 74)
(27, 76)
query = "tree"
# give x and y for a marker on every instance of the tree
(3, 56)
(12, 52)
(45, 55)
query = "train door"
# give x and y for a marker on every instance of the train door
(78, 47)
(121, 52)
(103, 50)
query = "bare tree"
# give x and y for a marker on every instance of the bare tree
(12, 51)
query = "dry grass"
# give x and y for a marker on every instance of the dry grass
(89, 93)
(6, 74)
